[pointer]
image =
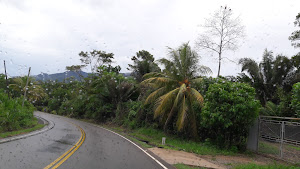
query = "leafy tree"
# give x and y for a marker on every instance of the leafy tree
(296, 98)
(108, 68)
(143, 63)
(296, 61)
(260, 74)
(13, 115)
(115, 89)
(174, 95)
(34, 91)
(96, 58)
(269, 74)
(293, 76)
(282, 68)
(76, 69)
(2, 82)
(284, 103)
(270, 109)
(104, 95)
(229, 110)
(223, 32)
(295, 36)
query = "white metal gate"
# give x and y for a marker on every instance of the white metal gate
(279, 137)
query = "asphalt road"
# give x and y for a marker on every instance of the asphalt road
(100, 149)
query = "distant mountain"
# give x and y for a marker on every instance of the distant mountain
(61, 76)
(126, 74)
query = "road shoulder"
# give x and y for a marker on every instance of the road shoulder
(48, 125)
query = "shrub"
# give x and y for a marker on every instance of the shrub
(229, 110)
(296, 98)
(12, 115)
(270, 109)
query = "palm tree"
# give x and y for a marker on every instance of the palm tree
(269, 74)
(256, 76)
(34, 91)
(173, 93)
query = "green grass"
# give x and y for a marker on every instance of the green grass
(22, 131)
(294, 147)
(183, 166)
(271, 166)
(173, 142)
(268, 148)
(154, 137)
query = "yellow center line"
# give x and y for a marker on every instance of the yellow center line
(68, 154)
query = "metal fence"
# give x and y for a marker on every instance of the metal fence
(279, 137)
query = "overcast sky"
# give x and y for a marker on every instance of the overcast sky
(48, 35)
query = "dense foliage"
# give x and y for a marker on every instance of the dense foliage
(296, 34)
(176, 97)
(269, 75)
(173, 94)
(229, 110)
(143, 63)
(296, 99)
(12, 115)
(273, 79)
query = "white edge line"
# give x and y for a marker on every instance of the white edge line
(136, 146)
(157, 161)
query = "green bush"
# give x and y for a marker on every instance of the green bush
(270, 109)
(229, 110)
(296, 98)
(12, 115)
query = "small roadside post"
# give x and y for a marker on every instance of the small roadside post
(163, 141)
(6, 79)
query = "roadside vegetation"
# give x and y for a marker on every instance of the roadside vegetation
(150, 137)
(36, 126)
(243, 166)
(198, 113)
(13, 116)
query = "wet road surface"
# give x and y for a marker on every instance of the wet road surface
(100, 149)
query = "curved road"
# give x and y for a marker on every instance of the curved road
(100, 149)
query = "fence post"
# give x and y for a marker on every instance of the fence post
(281, 139)
(7, 88)
(252, 140)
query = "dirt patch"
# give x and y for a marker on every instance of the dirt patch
(230, 161)
(208, 161)
(175, 157)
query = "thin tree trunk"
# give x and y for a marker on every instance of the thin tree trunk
(26, 87)
(219, 64)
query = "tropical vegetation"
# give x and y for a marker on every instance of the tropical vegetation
(172, 94)
(13, 115)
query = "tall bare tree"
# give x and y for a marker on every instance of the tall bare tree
(223, 32)
(295, 36)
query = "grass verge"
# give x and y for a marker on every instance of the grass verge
(150, 137)
(183, 166)
(268, 148)
(22, 131)
(271, 166)
(294, 147)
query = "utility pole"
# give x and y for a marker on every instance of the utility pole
(26, 86)
(6, 80)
